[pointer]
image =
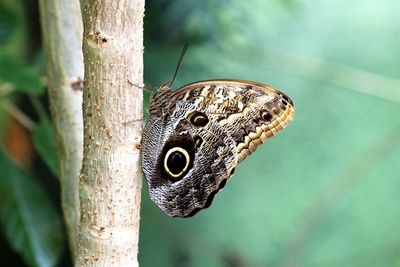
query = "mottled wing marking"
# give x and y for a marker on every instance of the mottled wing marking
(213, 164)
(235, 106)
(235, 118)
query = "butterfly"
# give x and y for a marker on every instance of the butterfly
(195, 137)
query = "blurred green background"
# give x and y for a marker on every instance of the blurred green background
(324, 192)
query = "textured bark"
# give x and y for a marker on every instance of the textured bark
(62, 41)
(110, 180)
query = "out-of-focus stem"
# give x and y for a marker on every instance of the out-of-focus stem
(62, 41)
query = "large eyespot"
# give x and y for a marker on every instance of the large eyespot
(265, 115)
(176, 161)
(176, 158)
(198, 119)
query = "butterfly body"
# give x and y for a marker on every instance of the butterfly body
(195, 136)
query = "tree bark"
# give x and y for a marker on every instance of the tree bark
(110, 180)
(62, 41)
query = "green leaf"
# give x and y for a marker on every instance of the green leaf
(25, 78)
(28, 219)
(7, 23)
(45, 143)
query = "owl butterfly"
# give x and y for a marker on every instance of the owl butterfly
(195, 136)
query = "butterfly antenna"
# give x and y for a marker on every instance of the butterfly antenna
(185, 47)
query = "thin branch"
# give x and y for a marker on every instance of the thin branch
(20, 116)
(319, 69)
(6, 89)
(62, 41)
(38, 106)
(352, 78)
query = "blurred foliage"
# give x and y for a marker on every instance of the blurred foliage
(324, 192)
(24, 78)
(28, 218)
(44, 140)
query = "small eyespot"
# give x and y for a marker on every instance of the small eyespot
(276, 111)
(284, 102)
(285, 97)
(199, 119)
(265, 115)
(176, 161)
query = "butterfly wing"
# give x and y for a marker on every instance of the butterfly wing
(208, 151)
(195, 137)
(250, 112)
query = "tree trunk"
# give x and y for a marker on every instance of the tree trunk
(110, 180)
(62, 41)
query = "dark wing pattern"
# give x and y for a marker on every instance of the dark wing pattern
(195, 137)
